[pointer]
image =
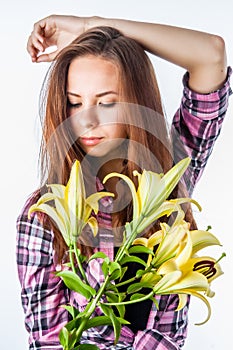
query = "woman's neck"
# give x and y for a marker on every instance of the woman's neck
(112, 162)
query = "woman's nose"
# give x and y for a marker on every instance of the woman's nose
(88, 117)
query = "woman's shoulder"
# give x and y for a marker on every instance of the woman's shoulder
(35, 219)
(34, 240)
(32, 231)
(31, 199)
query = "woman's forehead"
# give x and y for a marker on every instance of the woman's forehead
(92, 75)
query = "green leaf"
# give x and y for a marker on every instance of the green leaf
(116, 326)
(121, 310)
(115, 322)
(115, 275)
(73, 282)
(73, 339)
(138, 286)
(68, 338)
(72, 310)
(123, 271)
(98, 255)
(102, 321)
(137, 296)
(104, 267)
(140, 249)
(128, 259)
(106, 309)
(73, 324)
(140, 273)
(113, 266)
(64, 337)
(116, 298)
(98, 321)
(114, 270)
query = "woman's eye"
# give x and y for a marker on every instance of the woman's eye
(107, 104)
(74, 105)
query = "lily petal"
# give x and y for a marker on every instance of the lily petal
(52, 213)
(168, 267)
(167, 183)
(167, 282)
(182, 301)
(141, 241)
(191, 282)
(136, 208)
(92, 222)
(200, 296)
(93, 199)
(202, 239)
(74, 196)
(58, 190)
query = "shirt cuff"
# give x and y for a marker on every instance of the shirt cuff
(206, 106)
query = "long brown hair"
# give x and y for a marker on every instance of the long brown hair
(138, 88)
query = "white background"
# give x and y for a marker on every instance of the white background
(20, 83)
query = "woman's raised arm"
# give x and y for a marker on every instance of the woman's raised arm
(202, 54)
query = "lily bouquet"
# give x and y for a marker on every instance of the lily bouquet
(172, 265)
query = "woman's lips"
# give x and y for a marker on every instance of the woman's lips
(90, 141)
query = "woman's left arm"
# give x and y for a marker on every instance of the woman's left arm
(196, 127)
(202, 54)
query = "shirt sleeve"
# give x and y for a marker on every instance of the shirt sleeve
(42, 293)
(196, 127)
(166, 328)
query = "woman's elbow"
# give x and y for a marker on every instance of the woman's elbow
(218, 51)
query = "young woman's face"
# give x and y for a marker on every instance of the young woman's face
(93, 93)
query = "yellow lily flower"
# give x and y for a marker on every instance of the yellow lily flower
(152, 191)
(192, 283)
(187, 274)
(168, 238)
(150, 242)
(71, 210)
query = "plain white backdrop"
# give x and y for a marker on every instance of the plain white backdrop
(20, 83)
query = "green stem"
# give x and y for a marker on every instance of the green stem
(148, 296)
(132, 279)
(72, 259)
(131, 236)
(77, 256)
(127, 281)
(90, 308)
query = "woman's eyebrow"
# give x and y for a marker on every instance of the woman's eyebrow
(101, 94)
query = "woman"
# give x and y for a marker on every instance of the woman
(101, 91)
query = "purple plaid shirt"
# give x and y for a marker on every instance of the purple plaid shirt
(197, 123)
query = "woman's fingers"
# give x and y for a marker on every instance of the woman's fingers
(47, 57)
(34, 46)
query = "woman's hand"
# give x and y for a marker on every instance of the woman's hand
(54, 30)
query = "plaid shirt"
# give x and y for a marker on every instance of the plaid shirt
(197, 122)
